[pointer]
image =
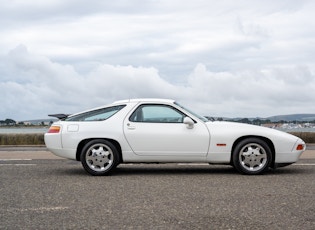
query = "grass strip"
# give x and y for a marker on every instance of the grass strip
(22, 139)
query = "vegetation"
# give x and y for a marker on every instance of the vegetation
(22, 139)
(308, 137)
(7, 122)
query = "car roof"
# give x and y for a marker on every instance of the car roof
(137, 100)
(152, 100)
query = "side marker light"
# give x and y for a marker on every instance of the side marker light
(300, 147)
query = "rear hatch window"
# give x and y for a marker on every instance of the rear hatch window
(96, 115)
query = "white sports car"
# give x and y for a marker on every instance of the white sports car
(159, 130)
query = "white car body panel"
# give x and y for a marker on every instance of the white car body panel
(166, 139)
(210, 142)
(228, 132)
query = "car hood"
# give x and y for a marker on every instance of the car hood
(234, 129)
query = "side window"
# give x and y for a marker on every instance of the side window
(96, 115)
(157, 114)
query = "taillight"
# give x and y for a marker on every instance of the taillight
(54, 129)
(300, 147)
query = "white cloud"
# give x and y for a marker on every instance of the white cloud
(223, 58)
(39, 86)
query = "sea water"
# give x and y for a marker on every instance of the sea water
(15, 130)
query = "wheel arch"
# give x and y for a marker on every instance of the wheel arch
(265, 139)
(85, 141)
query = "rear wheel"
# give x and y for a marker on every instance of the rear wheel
(99, 157)
(252, 156)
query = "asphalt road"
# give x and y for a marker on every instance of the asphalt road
(41, 193)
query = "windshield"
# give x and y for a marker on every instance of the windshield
(196, 115)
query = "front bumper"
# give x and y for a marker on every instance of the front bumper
(292, 156)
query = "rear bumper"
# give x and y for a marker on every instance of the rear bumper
(65, 153)
(54, 145)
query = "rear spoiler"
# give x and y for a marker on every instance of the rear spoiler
(60, 116)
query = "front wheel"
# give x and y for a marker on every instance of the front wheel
(99, 157)
(252, 156)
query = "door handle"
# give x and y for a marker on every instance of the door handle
(129, 126)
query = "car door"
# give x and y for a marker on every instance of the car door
(159, 130)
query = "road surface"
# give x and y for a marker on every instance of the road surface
(41, 191)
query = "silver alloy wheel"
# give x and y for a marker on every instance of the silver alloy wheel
(99, 157)
(253, 157)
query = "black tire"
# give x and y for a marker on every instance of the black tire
(99, 157)
(252, 156)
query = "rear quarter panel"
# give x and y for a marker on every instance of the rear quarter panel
(73, 132)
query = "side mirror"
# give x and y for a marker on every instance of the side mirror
(189, 122)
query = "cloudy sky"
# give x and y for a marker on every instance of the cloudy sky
(248, 58)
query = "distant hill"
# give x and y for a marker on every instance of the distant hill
(288, 118)
(292, 117)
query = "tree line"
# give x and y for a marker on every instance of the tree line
(8, 121)
(11, 122)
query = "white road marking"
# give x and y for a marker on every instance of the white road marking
(179, 164)
(18, 164)
(15, 160)
(203, 164)
(40, 209)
